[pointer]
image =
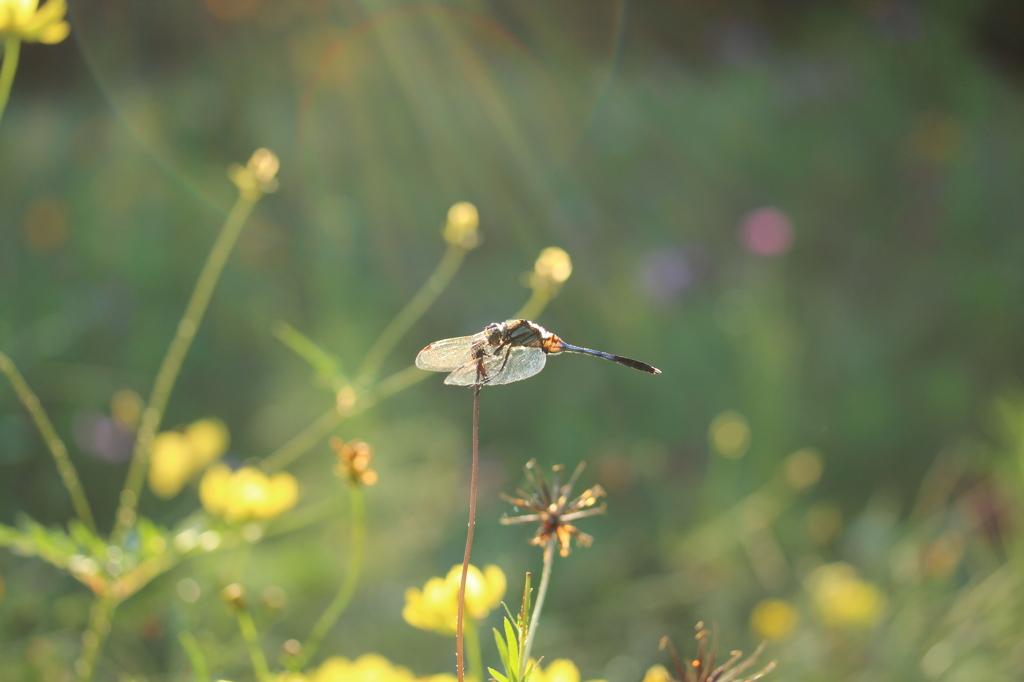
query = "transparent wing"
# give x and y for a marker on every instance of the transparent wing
(522, 363)
(447, 355)
(502, 365)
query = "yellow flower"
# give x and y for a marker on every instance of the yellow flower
(559, 670)
(247, 494)
(657, 673)
(843, 598)
(366, 668)
(461, 229)
(435, 607)
(774, 619)
(178, 456)
(25, 20)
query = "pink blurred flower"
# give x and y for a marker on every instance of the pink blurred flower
(766, 232)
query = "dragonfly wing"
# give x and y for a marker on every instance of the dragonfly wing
(467, 375)
(522, 362)
(446, 355)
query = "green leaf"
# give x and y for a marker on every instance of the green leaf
(513, 648)
(498, 677)
(502, 649)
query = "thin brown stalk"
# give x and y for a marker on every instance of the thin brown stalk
(459, 639)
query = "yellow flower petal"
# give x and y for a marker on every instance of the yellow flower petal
(213, 489)
(170, 464)
(208, 439)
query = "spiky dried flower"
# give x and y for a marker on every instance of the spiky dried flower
(702, 668)
(552, 507)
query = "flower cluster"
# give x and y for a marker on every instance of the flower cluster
(178, 456)
(354, 459)
(247, 494)
(26, 20)
(435, 607)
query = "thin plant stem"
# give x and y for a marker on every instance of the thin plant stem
(459, 630)
(200, 670)
(411, 313)
(535, 305)
(12, 48)
(348, 587)
(307, 439)
(542, 591)
(171, 365)
(476, 659)
(251, 637)
(303, 441)
(95, 636)
(67, 471)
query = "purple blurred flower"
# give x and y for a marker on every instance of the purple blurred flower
(102, 437)
(766, 232)
(665, 273)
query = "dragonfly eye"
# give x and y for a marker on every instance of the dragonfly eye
(493, 333)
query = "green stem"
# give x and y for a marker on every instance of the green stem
(542, 591)
(200, 670)
(12, 48)
(67, 471)
(249, 634)
(302, 442)
(348, 587)
(306, 439)
(410, 314)
(533, 307)
(171, 366)
(476, 659)
(95, 636)
(460, 660)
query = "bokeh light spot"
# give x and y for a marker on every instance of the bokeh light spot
(803, 468)
(729, 434)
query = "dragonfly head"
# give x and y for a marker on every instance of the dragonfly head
(495, 333)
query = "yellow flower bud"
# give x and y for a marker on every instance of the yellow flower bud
(552, 268)
(461, 228)
(258, 176)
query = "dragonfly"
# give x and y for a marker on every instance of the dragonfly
(504, 352)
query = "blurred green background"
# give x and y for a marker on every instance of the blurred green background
(808, 215)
